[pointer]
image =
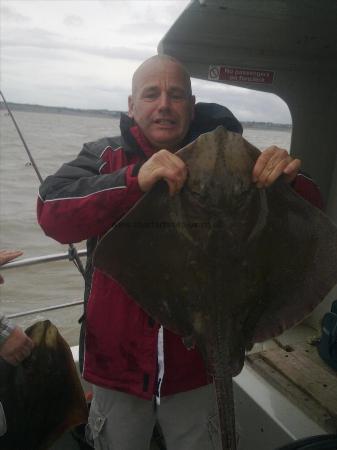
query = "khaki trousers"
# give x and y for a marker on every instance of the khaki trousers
(3, 424)
(120, 421)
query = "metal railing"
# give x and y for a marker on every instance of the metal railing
(41, 259)
(39, 310)
(25, 262)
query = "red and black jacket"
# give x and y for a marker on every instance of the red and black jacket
(82, 200)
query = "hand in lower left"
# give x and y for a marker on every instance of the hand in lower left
(16, 347)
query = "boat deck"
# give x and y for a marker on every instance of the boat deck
(297, 371)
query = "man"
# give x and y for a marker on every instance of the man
(15, 345)
(128, 357)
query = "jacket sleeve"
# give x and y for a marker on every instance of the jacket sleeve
(6, 328)
(307, 189)
(81, 201)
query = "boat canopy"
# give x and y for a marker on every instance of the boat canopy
(285, 47)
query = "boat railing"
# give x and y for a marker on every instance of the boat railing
(41, 259)
(26, 262)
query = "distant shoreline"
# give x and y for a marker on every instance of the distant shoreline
(60, 110)
(116, 114)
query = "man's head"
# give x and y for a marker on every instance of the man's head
(162, 103)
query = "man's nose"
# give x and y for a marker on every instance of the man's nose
(164, 101)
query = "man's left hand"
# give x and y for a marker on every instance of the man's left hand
(271, 164)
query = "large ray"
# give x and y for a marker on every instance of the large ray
(223, 263)
(42, 397)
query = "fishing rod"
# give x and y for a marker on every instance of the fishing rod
(72, 251)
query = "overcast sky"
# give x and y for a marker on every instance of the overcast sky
(82, 53)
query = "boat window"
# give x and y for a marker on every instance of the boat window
(265, 117)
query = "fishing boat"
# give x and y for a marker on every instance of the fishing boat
(287, 48)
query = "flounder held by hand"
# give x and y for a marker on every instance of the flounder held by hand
(42, 397)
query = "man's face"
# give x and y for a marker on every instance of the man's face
(161, 104)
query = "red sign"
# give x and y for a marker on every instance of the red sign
(236, 74)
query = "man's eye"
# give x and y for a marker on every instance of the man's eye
(178, 96)
(150, 95)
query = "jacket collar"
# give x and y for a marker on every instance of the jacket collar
(133, 140)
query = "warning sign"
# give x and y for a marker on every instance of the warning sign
(239, 75)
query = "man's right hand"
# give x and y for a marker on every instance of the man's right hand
(163, 165)
(16, 347)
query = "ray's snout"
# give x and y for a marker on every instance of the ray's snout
(43, 333)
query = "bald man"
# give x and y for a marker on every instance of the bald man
(142, 373)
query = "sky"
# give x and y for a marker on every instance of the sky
(82, 54)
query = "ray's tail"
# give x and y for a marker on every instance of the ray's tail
(224, 393)
(223, 384)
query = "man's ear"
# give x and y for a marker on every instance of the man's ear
(192, 107)
(130, 105)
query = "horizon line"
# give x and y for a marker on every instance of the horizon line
(114, 111)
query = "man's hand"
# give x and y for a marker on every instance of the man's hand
(16, 347)
(271, 164)
(6, 256)
(163, 165)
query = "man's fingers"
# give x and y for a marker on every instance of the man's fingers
(163, 165)
(271, 173)
(292, 170)
(174, 168)
(8, 255)
(267, 160)
(173, 187)
(174, 180)
(273, 163)
(263, 161)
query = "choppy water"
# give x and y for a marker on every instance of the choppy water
(52, 139)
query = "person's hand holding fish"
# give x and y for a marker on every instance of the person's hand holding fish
(163, 165)
(7, 256)
(17, 346)
(271, 164)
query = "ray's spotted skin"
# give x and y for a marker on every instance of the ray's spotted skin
(15, 345)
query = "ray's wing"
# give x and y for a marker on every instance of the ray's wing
(298, 258)
(270, 253)
(158, 266)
